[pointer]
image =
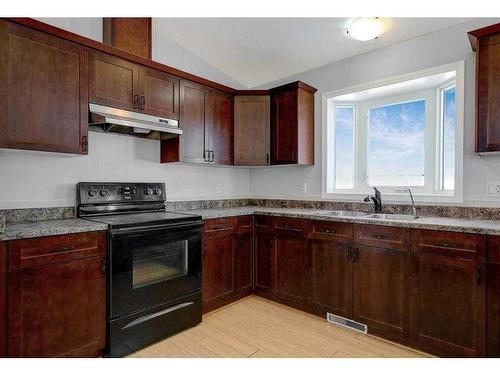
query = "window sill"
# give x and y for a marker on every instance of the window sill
(396, 198)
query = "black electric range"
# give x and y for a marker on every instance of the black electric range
(154, 262)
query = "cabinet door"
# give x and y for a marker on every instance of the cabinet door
(219, 126)
(219, 273)
(263, 256)
(330, 287)
(160, 92)
(382, 291)
(448, 293)
(192, 123)
(487, 92)
(58, 309)
(284, 132)
(113, 81)
(3, 299)
(251, 130)
(290, 269)
(244, 246)
(44, 92)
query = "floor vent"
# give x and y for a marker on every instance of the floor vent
(347, 323)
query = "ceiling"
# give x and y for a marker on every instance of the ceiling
(256, 51)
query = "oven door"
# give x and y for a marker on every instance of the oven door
(152, 265)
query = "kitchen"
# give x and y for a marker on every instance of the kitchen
(163, 200)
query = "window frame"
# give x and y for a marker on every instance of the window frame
(396, 194)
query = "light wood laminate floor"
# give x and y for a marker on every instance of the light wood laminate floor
(255, 327)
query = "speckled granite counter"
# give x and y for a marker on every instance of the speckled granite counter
(15, 231)
(435, 223)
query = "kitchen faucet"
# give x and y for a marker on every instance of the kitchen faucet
(413, 209)
(377, 200)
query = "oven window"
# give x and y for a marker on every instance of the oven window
(159, 263)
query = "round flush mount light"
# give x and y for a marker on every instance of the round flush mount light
(364, 29)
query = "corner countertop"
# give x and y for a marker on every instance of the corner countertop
(435, 223)
(16, 231)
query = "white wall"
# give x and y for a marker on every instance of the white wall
(435, 49)
(44, 180)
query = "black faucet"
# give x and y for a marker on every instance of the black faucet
(377, 200)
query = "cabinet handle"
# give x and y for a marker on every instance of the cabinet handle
(85, 143)
(330, 231)
(447, 244)
(267, 158)
(355, 255)
(63, 249)
(104, 267)
(143, 102)
(381, 237)
(348, 253)
(205, 152)
(211, 158)
(137, 102)
(478, 275)
(241, 241)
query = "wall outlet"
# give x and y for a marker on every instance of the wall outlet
(218, 188)
(303, 187)
(493, 188)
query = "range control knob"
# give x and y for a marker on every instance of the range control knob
(103, 192)
(92, 192)
(157, 192)
(148, 191)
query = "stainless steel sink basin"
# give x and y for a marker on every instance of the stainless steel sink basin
(393, 216)
(345, 213)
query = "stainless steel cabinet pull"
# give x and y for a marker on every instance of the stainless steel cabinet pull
(348, 253)
(381, 237)
(211, 158)
(63, 248)
(143, 102)
(137, 102)
(355, 255)
(332, 231)
(478, 275)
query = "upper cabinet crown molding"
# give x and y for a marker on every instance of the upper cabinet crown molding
(131, 34)
(474, 35)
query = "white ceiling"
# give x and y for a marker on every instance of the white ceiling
(255, 51)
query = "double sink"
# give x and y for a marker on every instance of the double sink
(367, 215)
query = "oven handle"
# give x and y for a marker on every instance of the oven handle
(145, 318)
(155, 228)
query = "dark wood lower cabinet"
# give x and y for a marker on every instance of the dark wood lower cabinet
(244, 246)
(263, 248)
(331, 280)
(289, 270)
(448, 293)
(381, 291)
(57, 296)
(219, 271)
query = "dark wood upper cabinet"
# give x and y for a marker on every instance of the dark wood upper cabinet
(44, 91)
(448, 293)
(292, 124)
(206, 120)
(113, 81)
(219, 127)
(192, 123)
(252, 130)
(486, 43)
(57, 299)
(129, 34)
(161, 93)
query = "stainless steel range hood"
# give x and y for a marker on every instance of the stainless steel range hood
(108, 119)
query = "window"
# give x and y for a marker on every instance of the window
(403, 132)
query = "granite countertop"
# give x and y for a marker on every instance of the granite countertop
(16, 231)
(435, 223)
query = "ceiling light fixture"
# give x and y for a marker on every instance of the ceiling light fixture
(366, 28)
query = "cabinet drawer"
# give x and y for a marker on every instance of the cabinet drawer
(219, 227)
(329, 230)
(245, 224)
(288, 225)
(493, 249)
(47, 250)
(464, 245)
(264, 222)
(382, 236)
